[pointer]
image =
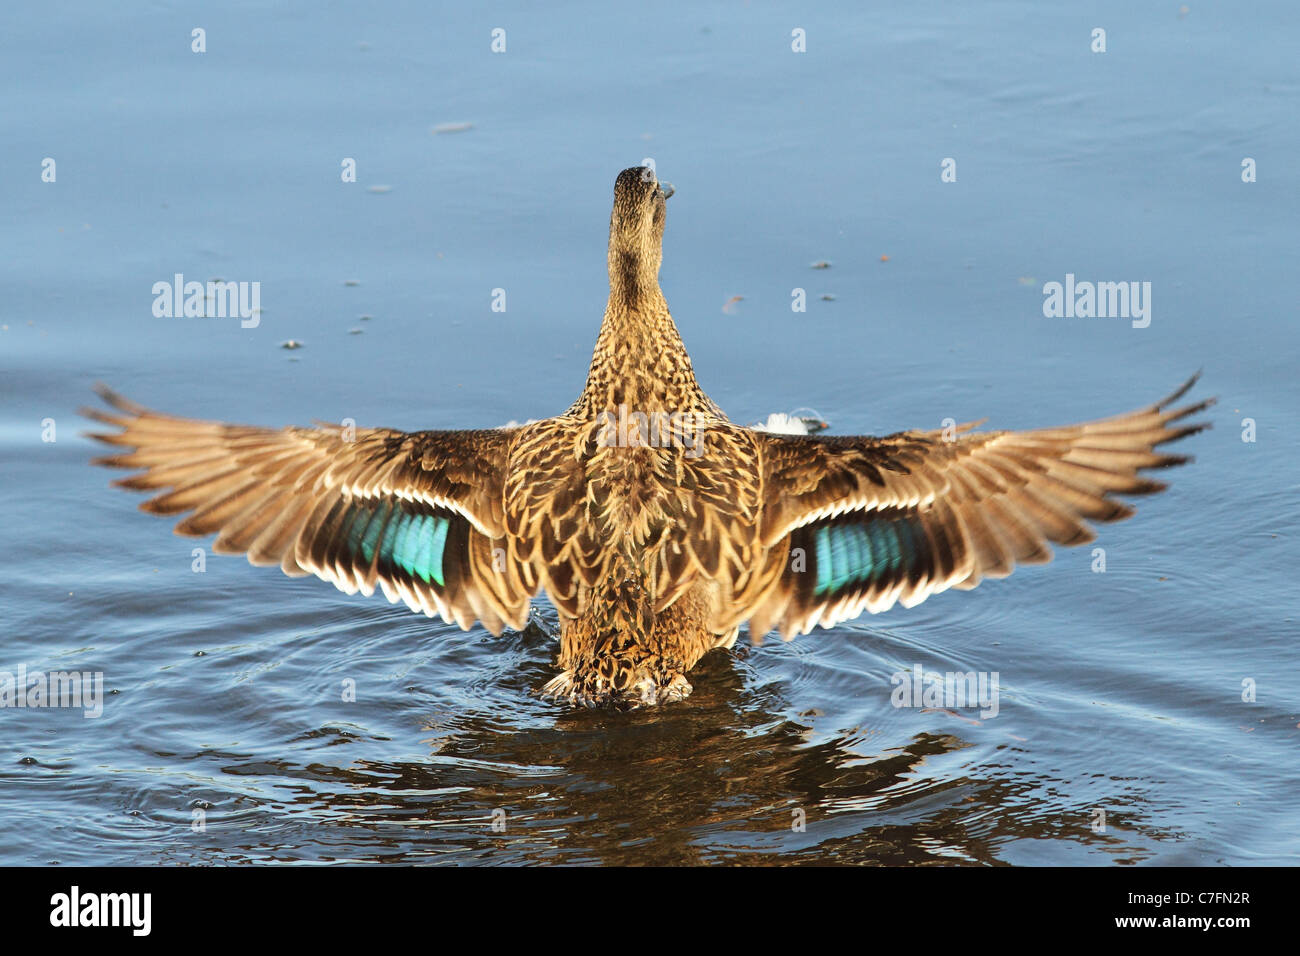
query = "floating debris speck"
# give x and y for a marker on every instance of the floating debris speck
(355, 331)
(827, 297)
(290, 344)
(352, 282)
(379, 189)
(451, 128)
(729, 306)
(821, 264)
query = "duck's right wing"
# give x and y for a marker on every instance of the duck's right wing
(864, 522)
(418, 513)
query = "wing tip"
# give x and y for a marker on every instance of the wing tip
(118, 400)
(1178, 392)
(107, 438)
(131, 410)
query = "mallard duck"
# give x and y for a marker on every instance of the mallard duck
(655, 526)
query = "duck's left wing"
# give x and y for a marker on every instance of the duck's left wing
(420, 514)
(863, 522)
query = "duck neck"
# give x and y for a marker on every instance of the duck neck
(639, 361)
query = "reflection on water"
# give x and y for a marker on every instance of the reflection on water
(729, 775)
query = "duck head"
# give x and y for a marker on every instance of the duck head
(636, 232)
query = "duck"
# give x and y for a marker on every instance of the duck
(655, 526)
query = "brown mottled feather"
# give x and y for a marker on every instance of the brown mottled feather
(278, 495)
(986, 500)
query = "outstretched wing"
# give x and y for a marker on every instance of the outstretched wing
(420, 513)
(864, 522)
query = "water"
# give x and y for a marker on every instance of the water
(1120, 692)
